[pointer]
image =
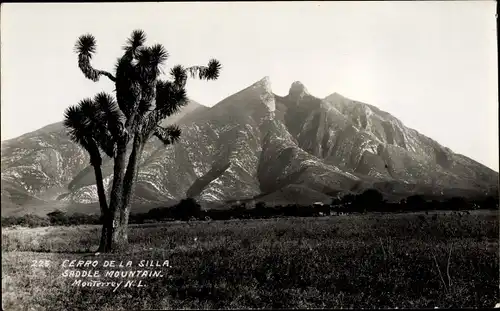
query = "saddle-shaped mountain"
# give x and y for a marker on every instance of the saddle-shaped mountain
(253, 145)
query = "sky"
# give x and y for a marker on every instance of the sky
(433, 65)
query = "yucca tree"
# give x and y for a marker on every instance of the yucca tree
(85, 131)
(86, 124)
(115, 126)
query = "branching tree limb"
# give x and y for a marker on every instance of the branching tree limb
(86, 47)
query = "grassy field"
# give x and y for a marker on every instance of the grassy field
(356, 261)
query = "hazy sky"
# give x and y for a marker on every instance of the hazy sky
(433, 65)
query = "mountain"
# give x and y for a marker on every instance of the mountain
(253, 145)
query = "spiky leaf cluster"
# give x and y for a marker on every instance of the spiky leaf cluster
(90, 124)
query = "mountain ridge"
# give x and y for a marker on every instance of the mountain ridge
(255, 143)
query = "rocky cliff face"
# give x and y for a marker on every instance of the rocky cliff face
(296, 148)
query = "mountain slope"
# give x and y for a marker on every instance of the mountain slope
(255, 144)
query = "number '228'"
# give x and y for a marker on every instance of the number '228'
(40, 263)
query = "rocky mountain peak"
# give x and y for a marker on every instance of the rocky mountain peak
(264, 83)
(265, 93)
(297, 90)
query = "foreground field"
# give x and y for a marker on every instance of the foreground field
(357, 261)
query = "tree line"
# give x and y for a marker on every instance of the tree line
(189, 209)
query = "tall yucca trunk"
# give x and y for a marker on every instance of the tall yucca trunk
(114, 232)
(106, 231)
(101, 193)
(128, 191)
(104, 208)
(111, 227)
(96, 163)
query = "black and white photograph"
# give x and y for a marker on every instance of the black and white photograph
(249, 155)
